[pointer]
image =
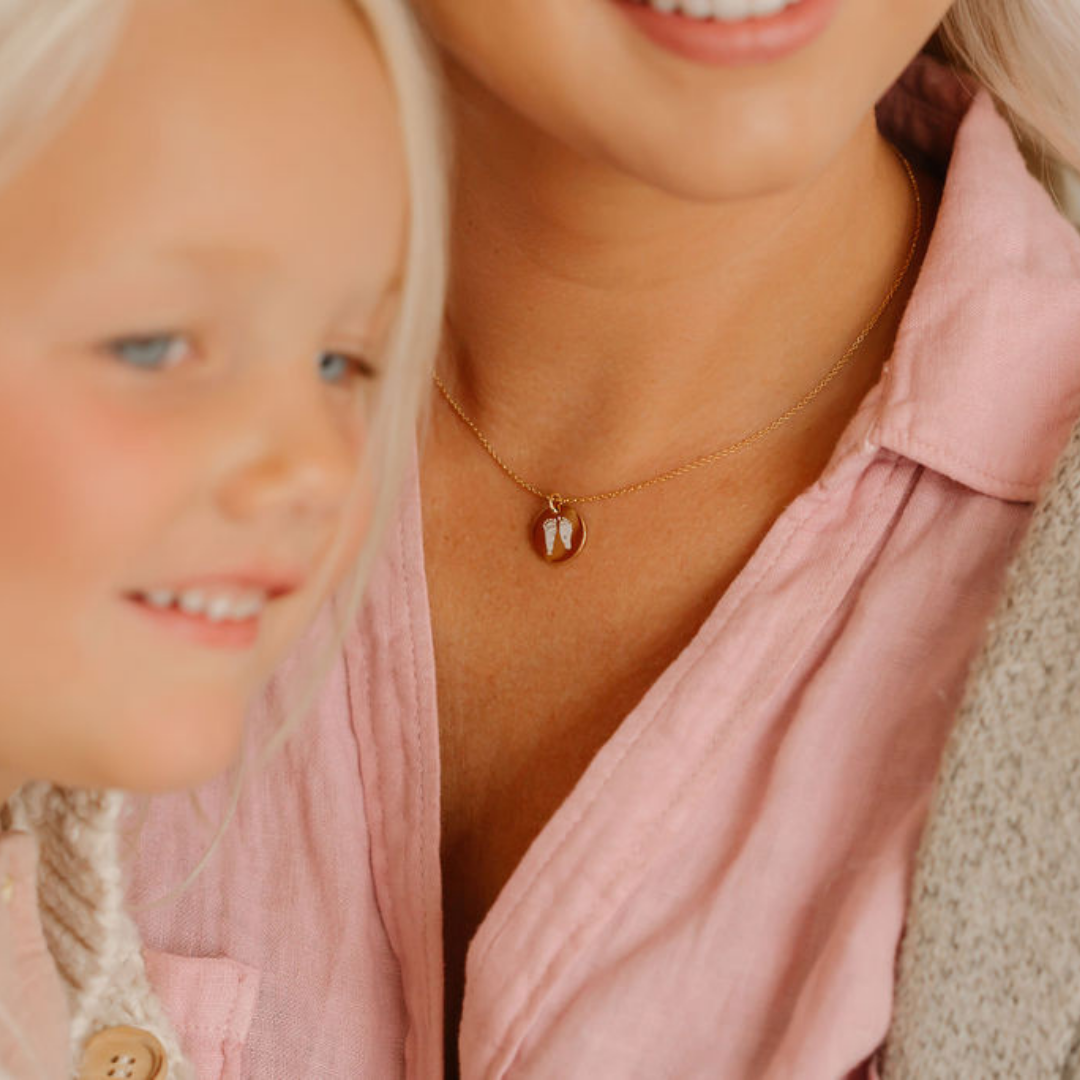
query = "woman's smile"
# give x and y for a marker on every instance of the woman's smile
(731, 32)
(724, 10)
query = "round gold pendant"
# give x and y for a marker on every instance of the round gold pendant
(558, 533)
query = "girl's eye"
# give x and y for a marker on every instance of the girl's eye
(336, 368)
(153, 352)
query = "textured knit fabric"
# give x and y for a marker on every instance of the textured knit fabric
(990, 967)
(723, 892)
(76, 909)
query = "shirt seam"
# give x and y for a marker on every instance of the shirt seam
(951, 459)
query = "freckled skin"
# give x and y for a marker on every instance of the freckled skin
(257, 212)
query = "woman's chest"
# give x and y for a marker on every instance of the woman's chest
(537, 669)
(539, 665)
(757, 784)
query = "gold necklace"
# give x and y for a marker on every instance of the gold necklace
(558, 532)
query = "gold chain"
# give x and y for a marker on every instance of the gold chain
(556, 500)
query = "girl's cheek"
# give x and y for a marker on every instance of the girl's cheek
(86, 484)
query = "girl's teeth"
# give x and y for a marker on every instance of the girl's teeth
(237, 608)
(249, 607)
(192, 602)
(219, 609)
(234, 606)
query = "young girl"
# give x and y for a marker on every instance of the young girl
(220, 290)
(763, 338)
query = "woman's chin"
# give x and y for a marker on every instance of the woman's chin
(709, 175)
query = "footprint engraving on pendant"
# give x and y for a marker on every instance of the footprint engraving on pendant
(558, 535)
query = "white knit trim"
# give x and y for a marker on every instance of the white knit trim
(93, 939)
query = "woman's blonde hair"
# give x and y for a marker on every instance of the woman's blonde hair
(1027, 54)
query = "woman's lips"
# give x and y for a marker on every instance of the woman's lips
(754, 40)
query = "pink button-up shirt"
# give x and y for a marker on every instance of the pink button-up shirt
(723, 892)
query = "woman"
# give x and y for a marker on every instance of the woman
(802, 366)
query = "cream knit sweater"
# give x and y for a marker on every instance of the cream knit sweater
(92, 939)
(989, 973)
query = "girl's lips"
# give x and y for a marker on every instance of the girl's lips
(221, 610)
(232, 635)
(750, 41)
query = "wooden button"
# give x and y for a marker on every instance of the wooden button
(123, 1053)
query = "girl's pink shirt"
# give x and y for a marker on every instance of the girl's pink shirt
(723, 892)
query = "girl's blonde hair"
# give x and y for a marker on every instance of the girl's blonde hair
(51, 51)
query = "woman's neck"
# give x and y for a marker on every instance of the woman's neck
(589, 310)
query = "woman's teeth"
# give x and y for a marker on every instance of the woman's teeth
(217, 605)
(724, 10)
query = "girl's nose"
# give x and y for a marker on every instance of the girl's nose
(297, 468)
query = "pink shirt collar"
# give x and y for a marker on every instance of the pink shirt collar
(984, 381)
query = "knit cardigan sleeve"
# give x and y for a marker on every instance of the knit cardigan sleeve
(989, 969)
